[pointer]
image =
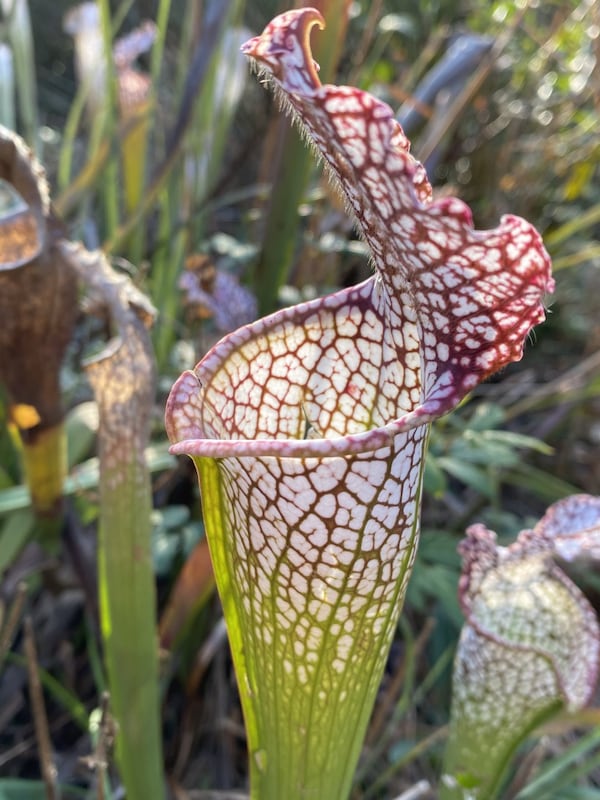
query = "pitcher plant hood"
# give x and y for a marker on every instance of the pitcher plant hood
(447, 305)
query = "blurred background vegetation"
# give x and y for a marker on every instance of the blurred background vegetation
(172, 158)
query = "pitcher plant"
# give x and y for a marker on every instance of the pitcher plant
(530, 646)
(308, 428)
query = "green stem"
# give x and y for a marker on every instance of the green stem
(304, 736)
(162, 21)
(127, 605)
(123, 383)
(460, 784)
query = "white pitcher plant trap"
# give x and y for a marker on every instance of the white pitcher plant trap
(308, 428)
(530, 646)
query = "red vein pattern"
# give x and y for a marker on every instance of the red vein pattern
(317, 418)
(448, 305)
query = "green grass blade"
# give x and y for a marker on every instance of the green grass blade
(564, 769)
(581, 222)
(20, 37)
(7, 88)
(57, 691)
